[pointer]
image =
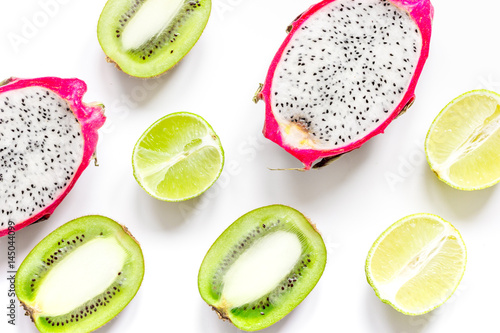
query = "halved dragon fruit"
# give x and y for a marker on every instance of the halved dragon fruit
(346, 69)
(47, 138)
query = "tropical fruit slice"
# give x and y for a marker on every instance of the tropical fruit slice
(417, 263)
(345, 71)
(178, 158)
(262, 267)
(80, 276)
(48, 136)
(145, 38)
(463, 142)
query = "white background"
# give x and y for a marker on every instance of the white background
(351, 201)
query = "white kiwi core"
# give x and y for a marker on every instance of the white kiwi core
(79, 277)
(150, 20)
(261, 268)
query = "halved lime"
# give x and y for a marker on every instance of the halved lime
(178, 157)
(416, 264)
(463, 142)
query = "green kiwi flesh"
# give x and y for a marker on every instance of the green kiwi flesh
(262, 266)
(145, 38)
(80, 276)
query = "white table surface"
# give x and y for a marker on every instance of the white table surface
(351, 201)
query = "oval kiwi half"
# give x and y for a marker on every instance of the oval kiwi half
(145, 38)
(80, 276)
(262, 267)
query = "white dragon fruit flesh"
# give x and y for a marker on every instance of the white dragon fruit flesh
(47, 138)
(346, 69)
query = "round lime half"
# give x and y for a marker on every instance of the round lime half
(463, 142)
(417, 263)
(178, 158)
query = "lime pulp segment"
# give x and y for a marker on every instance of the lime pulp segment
(178, 157)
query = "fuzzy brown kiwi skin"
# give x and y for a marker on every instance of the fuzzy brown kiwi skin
(111, 61)
(125, 229)
(222, 314)
(29, 310)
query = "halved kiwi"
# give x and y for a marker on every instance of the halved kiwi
(80, 276)
(145, 38)
(262, 267)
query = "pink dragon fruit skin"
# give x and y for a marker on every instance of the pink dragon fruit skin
(90, 117)
(421, 11)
